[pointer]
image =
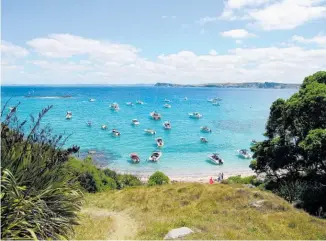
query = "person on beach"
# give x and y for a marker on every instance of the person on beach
(222, 176)
(211, 181)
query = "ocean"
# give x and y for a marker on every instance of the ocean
(241, 117)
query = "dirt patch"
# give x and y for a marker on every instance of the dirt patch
(124, 227)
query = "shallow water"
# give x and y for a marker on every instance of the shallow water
(241, 117)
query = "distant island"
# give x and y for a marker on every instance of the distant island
(259, 85)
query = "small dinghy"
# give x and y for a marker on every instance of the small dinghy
(115, 132)
(69, 115)
(139, 102)
(114, 106)
(205, 129)
(215, 159)
(195, 115)
(150, 131)
(167, 106)
(135, 122)
(159, 142)
(104, 127)
(134, 158)
(156, 155)
(167, 125)
(91, 100)
(244, 153)
(89, 123)
(203, 140)
(155, 115)
(129, 103)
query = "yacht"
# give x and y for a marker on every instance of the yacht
(195, 115)
(167, 106)
(150, 131)
(129, 103)
(104, 127)
(156, 155)
(115, 132)
(134, 157)
(139, 102)
(155, 115)
(135, 122)
(159, 142)
(91, 100)
(203, 140)
(68, 115)
(205, 129)
(167, 125)
(89, 123)
(244, 153)
(114, 106)
(215, 159)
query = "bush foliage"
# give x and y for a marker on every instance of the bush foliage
(158, 178)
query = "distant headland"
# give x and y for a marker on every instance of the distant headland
(259, 85)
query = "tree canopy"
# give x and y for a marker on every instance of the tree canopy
(294, 153)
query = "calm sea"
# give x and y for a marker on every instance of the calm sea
(241, 117)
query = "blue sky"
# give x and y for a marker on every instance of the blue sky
(108, 42)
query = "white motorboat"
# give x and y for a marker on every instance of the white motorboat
(150, 131)
(134, 157)
(253, 142)
(203, 140)
(114, 106)
(135, 122)
(68, 115)
(129, 103)
(167, 106)
(205, 129)
(115, 132)
(195, 115)
(215, 159)
(210, 100)
(166, 100)
(104, 127)
(155, 115)
(159, 142)
(89, 123)
(139, 102)
(156, 155)
(244, 153)
(167, 125)
(91, 100)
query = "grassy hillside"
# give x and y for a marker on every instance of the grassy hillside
(216, 211)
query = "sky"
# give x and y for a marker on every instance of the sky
(145, 41)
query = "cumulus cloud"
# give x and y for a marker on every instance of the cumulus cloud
(320, 39)
(69, 59)
(9, 49)
(275, 14)
(237, 33)
(205, 20)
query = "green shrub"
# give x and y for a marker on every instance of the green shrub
(127, 180)
(243, 180)
(158, 178)
(111, 173)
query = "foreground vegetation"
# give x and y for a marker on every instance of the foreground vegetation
(217, 211)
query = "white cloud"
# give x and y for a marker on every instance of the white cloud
(11, 50)
(237, 33)
(170, 17)
(274, 14)
(102, 62)
(319, 39)
(238, 41)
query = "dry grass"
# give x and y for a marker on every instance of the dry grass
(213, 211)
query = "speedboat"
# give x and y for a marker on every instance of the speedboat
(160, 142)
(215, 103)
(167, 125)
(89, 123)
(203, 140)
(155, 115)
(139, 102)
(69, 115)
(156, 155)
(150, 131)
(215, 159)
(195, 115)
(129, 103)
(244, 153)
(91, 100)
(210, 100)
(134, 157)
(104, 127)
(166, 100)
(115, 106)
(115, 132)
(205, 129)
(135, 122)
(253, 142)
(167, 106)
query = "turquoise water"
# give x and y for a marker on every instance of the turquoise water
(241, 116)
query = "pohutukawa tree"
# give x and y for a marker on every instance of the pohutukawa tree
(293, 157)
